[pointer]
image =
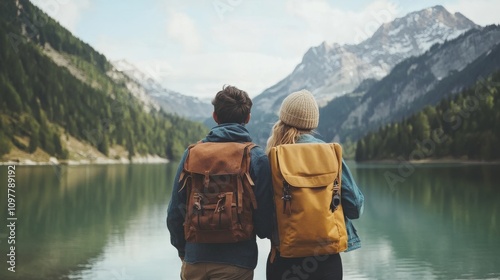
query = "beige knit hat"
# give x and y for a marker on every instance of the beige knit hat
(300, 110)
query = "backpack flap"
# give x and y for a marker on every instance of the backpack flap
(214, 158)
(304, 165)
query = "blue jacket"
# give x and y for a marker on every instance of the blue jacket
(243, 254)
(351, 197)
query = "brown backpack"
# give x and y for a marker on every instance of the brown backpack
(220, 198)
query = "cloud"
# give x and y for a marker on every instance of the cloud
(255, 51)
(262, 35)
(328, 23)
(193, 48)
(482, 12)
(239, 34)
(250, 71)
(182, 29)
(68, 13)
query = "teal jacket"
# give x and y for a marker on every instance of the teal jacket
(351, 196)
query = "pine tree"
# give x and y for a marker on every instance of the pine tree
(5, 144)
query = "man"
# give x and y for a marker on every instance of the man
(232, 260)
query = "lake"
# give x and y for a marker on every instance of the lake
(433, 221)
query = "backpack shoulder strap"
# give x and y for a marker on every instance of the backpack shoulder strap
(246, 173)
(337, 185)
(184, 173)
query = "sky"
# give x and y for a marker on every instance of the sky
(196, 47)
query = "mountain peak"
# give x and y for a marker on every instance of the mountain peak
(329, 69)
(442, 15)
(438, 8)
(170, 101)
(422, 29)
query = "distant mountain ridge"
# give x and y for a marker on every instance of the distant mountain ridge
(61, 100)
(414, 83)
(465, 126)
(170, 101)
(346, 72)
(332, 70)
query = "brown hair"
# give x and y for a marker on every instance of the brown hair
(284, 134)
(232, 105)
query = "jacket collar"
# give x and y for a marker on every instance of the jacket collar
(228, 132)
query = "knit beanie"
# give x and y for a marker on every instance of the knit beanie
(300, 110)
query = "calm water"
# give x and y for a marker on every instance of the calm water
(108, 222)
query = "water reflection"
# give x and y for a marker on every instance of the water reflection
(108, 222)
(67, 216)
(441, 222)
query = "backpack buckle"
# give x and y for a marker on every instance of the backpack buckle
(336, 197)
(221, 200)
(335, 202)
(198, 204)
(287, 198)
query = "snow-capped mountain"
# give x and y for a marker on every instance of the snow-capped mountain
(412, 84)
(147, 88)
(117, 74)
(331, 70)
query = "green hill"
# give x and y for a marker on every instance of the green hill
(465, 127)
(58, 98)
(441, 72)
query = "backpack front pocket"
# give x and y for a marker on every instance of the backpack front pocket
(212, 211)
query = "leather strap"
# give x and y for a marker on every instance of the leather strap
(273, 254)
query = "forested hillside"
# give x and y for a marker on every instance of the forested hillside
(444, 70)
(57, 90)
(465, 127)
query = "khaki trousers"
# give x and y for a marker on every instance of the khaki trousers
(214, 271)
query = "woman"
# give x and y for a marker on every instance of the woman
(298, 117)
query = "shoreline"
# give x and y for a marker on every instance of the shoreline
(430, 161)
(149, 159)
(159, 160)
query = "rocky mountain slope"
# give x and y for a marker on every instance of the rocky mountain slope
(346, 72)
(63, 100)
(414, 83)
(170, 101)
(331, 70)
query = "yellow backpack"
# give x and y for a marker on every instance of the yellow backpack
(307, 191)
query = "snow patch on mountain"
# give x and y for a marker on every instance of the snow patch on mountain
(331, 70)
(135, 89)
(422, 76)
(151, 91)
